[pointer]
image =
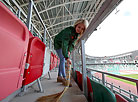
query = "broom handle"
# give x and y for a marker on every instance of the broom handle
(68, 81)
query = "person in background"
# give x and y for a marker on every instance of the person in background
(64, 43)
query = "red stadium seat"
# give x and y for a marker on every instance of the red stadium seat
(55, 61)
(79, 79)
(14, 38)
(51, 61)
(90, 91)
(120, 98)
(58, 61)
(30, 35)
(35, 59)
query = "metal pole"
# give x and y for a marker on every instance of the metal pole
(32, 28)
(103, 79)
(73, 60)
(28, 24)
(112, 87)
(137, 87)
(40, 86)
(89, 74)
(44, 40)
(84, 68)
(50, 44)
(19, 13)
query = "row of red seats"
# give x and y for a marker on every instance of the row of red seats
(21, 54)
(54, 61)
(98, 92)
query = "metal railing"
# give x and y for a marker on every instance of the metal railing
(113, 64)
(126, 94)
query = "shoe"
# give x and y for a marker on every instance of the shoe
(59, 79)
(66, 82)
(70, 85)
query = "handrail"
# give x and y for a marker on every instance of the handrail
(120, 91)
(121, 77)
(113, 64)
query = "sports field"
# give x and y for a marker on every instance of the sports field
(134, 76)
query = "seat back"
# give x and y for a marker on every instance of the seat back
(51, 61)
(119, 98)
(35, 59)
(90, 91)
(101, 93)
(14, 38)
(79, 79)
(46, 61)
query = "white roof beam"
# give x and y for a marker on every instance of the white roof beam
(62, 22)
(57, 15)
(69, 15)
(37, 1)
(69, 12)
(36, 21)
(97, 7)
(66, 3)
(91, 5)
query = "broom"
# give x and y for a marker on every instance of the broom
(56, 97)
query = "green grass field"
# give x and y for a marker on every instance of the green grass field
(135, 76)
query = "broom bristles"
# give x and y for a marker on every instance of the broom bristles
(49, 98)
(56, 97)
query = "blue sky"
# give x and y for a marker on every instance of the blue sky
(117, 34)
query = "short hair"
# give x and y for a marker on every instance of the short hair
(85, 22)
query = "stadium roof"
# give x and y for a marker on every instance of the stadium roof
(58, 14)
